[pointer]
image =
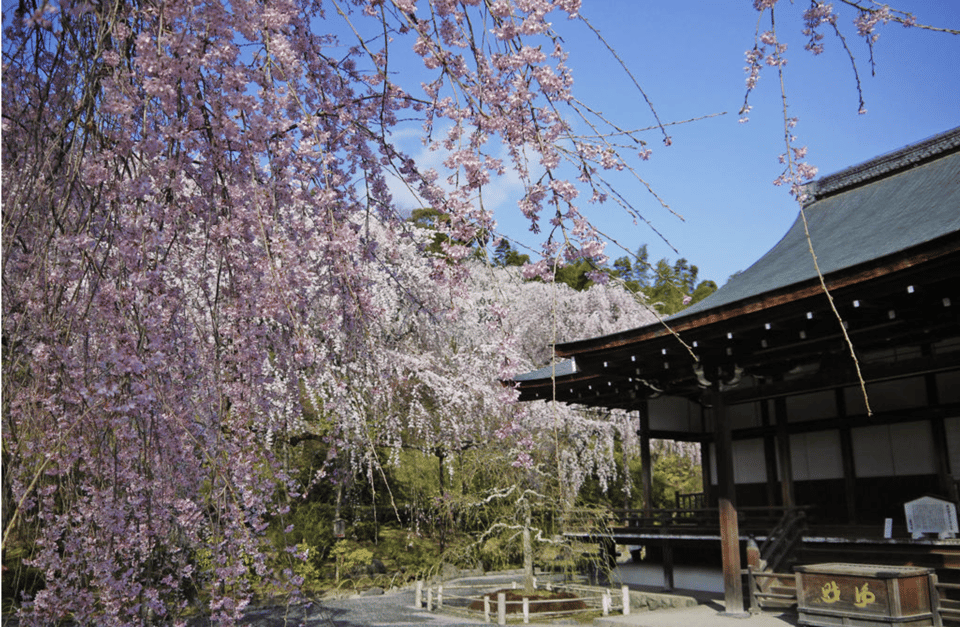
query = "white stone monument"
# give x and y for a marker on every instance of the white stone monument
(931, 515)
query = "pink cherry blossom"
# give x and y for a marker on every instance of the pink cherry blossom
(204, 264)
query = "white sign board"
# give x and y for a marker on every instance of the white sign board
(931, 515)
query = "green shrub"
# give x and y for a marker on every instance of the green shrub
(349, 558)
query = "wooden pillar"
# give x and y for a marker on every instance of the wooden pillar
(770, 456)
(941, 455)
(667, 565)
(783, 447)
(846, 455)
(726, 486)
(726, 493)
(948, 487)
(849, 474)
(709, 494)
(646, 470)
(646, 465)
(709, 498)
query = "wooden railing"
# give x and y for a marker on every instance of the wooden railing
(783, 539)
(946, 611)
(751, 520)
(767, 586)
(695, 500)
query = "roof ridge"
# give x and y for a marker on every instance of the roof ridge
(883, 165)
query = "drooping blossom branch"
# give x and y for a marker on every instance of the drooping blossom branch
(203, 263)
(797, 173)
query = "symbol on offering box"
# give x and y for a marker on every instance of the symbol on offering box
(830, 592)
(863, 596)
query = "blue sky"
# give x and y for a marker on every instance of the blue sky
(718, 173)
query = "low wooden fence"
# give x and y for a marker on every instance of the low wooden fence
(493, 600)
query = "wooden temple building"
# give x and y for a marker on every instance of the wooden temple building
(762, 375)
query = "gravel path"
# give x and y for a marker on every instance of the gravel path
(393, 609)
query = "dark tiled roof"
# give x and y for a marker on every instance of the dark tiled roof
(898, 160)
(562, 368)
(863, 213)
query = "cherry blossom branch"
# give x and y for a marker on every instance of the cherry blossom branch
(796, 174)
(626, 70)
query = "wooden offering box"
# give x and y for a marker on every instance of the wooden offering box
(863, 595)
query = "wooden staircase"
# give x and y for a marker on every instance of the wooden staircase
(778, 550)
(770, 578)
(948, 574)
(948, 602)
(768, 585)
(771, 591)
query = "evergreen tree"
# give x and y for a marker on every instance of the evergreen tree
(506, 255)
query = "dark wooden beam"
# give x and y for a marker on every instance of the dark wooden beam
(770, 456)
(709, 493)
(846, 457)
(948, 487)
(679, 436)
(936, 259)
(783, 447)
(913, 414)
(929, 364)
(667, 550)
(646, 465)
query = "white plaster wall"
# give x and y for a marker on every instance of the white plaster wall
(673, 413)
(749, 465)
(893, 450)
(744, 415)
(816, 455)
(813, 455)
(748, 462)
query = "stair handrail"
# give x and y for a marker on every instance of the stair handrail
(781, 540)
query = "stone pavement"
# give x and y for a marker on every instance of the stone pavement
(396, 609)
(704, 615)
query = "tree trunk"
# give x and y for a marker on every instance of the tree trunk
(527, 551)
